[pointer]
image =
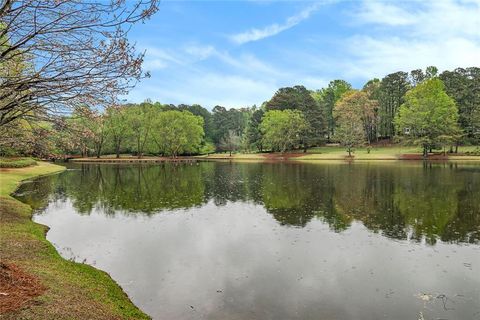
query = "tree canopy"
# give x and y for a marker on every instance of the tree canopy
(353, 114)
(73, 53)
(177, 132)
(428, 116)
(282, 129)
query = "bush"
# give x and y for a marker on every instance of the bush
(16, 162)
(474, 152)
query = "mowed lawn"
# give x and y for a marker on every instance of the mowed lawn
(339, 153)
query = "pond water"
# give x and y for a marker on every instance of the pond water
(274, 240)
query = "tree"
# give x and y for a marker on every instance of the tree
(353, 115)
(299, 98)
(117, 128)
(230, 142)
(372, 88)
(139, 119)
(74, 52)
(418, 76)
(356, 105)
(327, 97)
(32, 138)
(282, 130)
(392, 90)
(198, 110)
(428, 116)
(177, 132)
(227, 121)
(90, 124)
(252, 132)
(463, 86)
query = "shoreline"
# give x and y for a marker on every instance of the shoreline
(274, 158)
(70, 290)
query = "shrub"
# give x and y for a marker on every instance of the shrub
(16, 162)
(475, 152)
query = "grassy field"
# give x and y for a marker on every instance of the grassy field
(70, 290)
(339, 153)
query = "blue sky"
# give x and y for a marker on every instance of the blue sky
(238, 53)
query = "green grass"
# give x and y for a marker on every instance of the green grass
(379, 153)
(339, 153)
(16, 162)
(74, 290)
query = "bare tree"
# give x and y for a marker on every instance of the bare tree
(59, 54)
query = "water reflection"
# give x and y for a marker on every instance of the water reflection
(412, 201)
(274, 241)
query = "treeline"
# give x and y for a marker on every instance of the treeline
(420, 107)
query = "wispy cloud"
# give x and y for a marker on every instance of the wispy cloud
(200, 52)
(274, 29)
(156, 59)
(384, 13)
(247, 62)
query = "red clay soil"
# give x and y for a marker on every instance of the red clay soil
(436, 156)
(17, 288)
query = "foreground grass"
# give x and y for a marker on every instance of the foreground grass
(74, 291)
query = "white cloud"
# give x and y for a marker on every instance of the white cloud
(373, 57)
(201, 52)
(274, 29)
(440, 17)
(384, 13)
(386, 37)
(156, 59)
(413, 35)
(208, 89)
(247, 63)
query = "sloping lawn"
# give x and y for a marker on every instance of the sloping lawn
(69, 290)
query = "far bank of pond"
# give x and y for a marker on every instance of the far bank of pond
(326, 153)
(281, 240)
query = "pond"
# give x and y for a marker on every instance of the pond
(219, 240)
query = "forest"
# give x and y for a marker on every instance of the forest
(421, 107)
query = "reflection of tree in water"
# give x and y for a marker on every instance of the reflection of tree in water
(287, 195)
(39, 192)
(233, 183)
(400, 201)
(145, 189)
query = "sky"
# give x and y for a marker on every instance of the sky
(238, 53)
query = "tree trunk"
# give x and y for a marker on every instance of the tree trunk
(99, 151)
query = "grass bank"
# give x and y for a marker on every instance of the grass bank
(63, 289)
(339, 153)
